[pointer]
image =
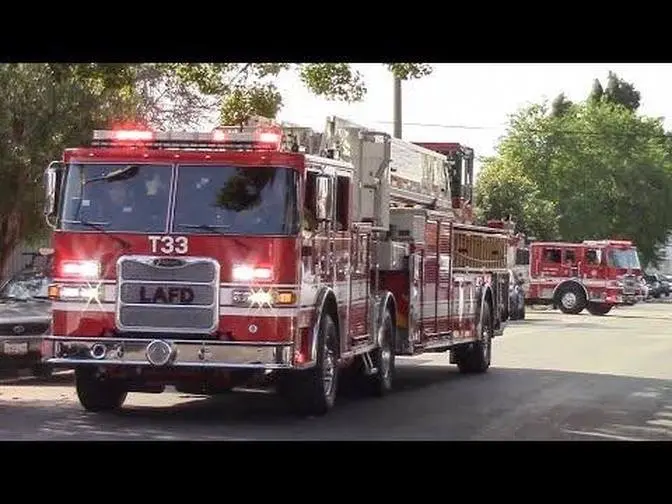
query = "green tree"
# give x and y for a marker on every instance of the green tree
(596, 92)
(243, 90)
(504, 190)
(618, 92)
(605, 170)
(44, 108)
(560, 105)
(177, 95)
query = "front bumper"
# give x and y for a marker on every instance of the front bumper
(166, 353)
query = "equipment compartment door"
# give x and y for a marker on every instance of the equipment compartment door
(415, 298)
(359, 288)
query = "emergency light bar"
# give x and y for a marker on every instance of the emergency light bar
(223, 138)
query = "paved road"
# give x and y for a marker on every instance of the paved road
(553, 377)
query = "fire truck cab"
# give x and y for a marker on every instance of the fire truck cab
(265, 255)
(595, 275)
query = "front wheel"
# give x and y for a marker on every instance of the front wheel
(96, 392)
(312, 391)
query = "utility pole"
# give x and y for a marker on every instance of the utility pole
(397, 107)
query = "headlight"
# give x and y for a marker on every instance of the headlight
(244, 273)
(81, 269)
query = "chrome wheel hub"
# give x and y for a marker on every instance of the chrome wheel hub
(328, 372)
(569, 300)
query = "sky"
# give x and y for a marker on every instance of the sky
(471, 103)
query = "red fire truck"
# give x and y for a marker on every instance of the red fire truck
(264, 255)
(595, 275)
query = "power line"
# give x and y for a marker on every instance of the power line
(630, 134)
(446, 126)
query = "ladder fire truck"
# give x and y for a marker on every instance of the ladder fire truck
(595, 275)
(266, 254)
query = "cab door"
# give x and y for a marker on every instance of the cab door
(570, 265)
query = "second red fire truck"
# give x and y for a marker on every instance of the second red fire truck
(595, 275)
(265, 255)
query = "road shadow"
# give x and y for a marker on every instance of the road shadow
(431, 402)
(628, 316)
(58, 379)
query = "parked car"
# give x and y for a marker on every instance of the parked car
(25, 315)
(665, 284)
(516, 297)
(646, 294)
(655, 287)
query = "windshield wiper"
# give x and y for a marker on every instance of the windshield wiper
(216, 229)
(100, 226)
(206, 227)
(124, 173)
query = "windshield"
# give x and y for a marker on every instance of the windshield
(27, 286)
(623, 258)
(235, 200)
(136, 200)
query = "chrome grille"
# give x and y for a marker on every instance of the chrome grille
(629, 285)
(167, 295)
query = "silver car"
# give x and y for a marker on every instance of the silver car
(25, 315)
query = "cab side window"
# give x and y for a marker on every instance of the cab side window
(309, 222)
(342, 203)
(592, 257)
(552, 256)
(570, 257)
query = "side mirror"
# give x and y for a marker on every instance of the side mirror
(52, 184)
(324, 198)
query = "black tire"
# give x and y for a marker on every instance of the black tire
(599, 309)
(312, 392)
(384, 359)
(571, 299)
(42, 371)
(477, 357)
(513, 313)
(96, 393)
(521, 313)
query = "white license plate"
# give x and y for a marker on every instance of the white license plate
(16, 348)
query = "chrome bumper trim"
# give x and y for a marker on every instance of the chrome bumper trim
(66, 351)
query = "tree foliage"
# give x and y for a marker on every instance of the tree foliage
(618, 92)
(597, 170)
(47, 107)
(560, 105)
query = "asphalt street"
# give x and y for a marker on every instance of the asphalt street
(554, 377)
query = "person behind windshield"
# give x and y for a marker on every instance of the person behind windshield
(122, 210)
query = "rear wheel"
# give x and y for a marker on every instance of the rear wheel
(599, 308)
(98, 393)
(383, 359)
(476, 358)
(313, 391)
